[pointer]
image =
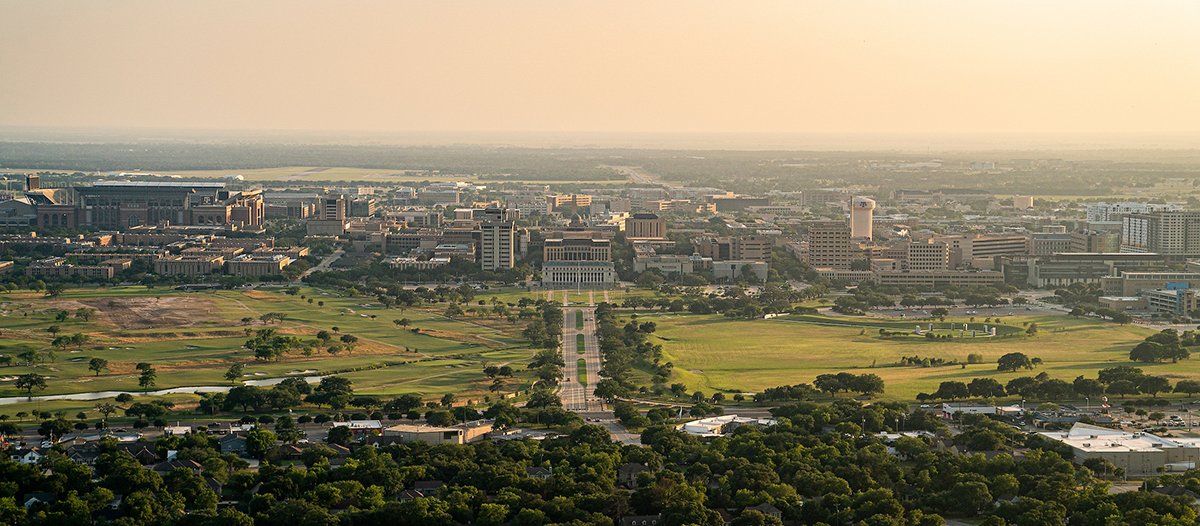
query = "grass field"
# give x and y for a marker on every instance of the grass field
(581, 370)
(193, 338)
(579, 344)
(363, 175)
(578, 319)
(713, 353)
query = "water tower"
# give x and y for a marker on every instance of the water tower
(860, 217)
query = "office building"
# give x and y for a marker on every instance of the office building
(732, 269)
(1044, 243)
(930, 255)
(861, 210)
(1138, 453)
(1175, 235)
(1022, 202)
(645, 226)
(1134, 283)
(497, 245)
(578, 261)
(253, 265)
(124, 204)
(1093, 241)
(829, 245)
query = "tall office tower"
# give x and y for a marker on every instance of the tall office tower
(497, 242)
(829, 245)
(860, 217)
(333, 208)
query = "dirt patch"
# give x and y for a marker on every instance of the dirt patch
(153, 313)
(465, 338)
(263, 296)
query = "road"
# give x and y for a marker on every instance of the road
(323, 266)
(576, 396)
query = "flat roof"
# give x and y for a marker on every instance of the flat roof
(157, 184)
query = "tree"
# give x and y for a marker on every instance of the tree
(952, 390)
(235, 372)
(259, 441)
(542, 397)
(98, 364)
(1121, 388)
(448, 400)
(1032, 330)
(340, 435)
(1146, 352)
(54, 290)
(105, 409)
(29, 382)
(985, 388)
(85, 313)
(940, 312)
(1153, 385)
(1188, 386)
(350, 342)
(54, 330)
(324, 336)
(147, 379)
(1013, 361)
(454, 311)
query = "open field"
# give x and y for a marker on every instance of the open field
(713, 353)
(365, 175)
(193, 338)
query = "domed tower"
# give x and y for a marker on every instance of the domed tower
(861, 211)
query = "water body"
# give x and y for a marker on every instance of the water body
(98, 395)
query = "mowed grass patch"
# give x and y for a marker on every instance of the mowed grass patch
(579, 319)
(581, 370)
(715, 353)
(579, 344)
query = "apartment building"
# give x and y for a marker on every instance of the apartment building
(1175, 235)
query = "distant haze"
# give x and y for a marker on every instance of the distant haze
(786, 74)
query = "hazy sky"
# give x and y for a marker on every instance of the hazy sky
(605, 66)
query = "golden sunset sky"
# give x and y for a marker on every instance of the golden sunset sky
(640, 66)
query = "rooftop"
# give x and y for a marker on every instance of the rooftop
(157, 184)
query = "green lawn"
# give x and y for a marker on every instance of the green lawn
(193, 352)
(714, 353)
(579, 344)
(581, 370)
(578, 319)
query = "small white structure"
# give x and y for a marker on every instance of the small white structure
(722, 425)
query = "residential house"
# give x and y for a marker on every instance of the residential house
(428, 488)
(640, 520)
(233, 443)
(142, 451)
(32, 499)
(407, 495)
(538, 472)
(164, 468)
(627, 475)
(767, 509)
(28, 455)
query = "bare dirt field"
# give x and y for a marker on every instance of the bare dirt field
(132, 313)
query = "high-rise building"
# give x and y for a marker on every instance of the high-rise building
(1175, 235)
(497, 245)
(1106, 213)
(829, 245)
(333, 208)
(752, 248)
(861, 210)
